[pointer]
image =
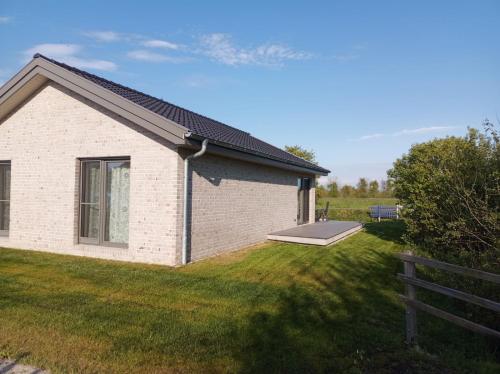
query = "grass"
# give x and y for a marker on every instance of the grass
(352, 208)
(273, 308)
(356, 202)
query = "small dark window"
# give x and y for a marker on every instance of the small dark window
(4, 197)
(104, 202)
(304, 186)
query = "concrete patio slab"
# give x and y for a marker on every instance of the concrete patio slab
(319, 233)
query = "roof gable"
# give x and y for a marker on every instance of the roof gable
(39, 71)
(159, 116)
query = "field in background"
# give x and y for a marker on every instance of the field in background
(356, 202)
(352, 208)
(280, 307)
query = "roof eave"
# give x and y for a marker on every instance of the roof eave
(231, 151)
(39, 70)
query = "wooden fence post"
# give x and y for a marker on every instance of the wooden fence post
(412, 304)
(411, 294)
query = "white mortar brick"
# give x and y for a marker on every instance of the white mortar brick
(45, 137)
(236, 204)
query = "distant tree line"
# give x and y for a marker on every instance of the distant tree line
(364, 188)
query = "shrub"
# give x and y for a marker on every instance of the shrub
(450, 192)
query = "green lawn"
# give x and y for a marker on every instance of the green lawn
(356, 202)
(273, 308)
(352, 208)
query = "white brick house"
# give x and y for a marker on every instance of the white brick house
(89, 167)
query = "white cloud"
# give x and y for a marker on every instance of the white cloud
(109, 36)
(417, 131)
(104, 36)
(371, 136)
(68, 53)
(90, 63)
(145, 55)
(424, 130)
(54, 50)
(5, 19)
(156, 43)
(219, 47)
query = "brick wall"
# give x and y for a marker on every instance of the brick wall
(45, 137)
(236, 204)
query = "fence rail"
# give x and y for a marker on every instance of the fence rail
(411, 282)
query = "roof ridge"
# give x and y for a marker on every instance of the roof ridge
(197, 124)
(36, 55)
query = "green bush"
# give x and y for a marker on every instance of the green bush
(450, 192)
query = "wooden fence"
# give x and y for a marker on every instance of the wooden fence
(412, 304)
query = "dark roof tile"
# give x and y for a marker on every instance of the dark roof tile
(197, 124)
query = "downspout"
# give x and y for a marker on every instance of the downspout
(200, 153)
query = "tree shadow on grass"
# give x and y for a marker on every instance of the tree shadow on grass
(343, 316)
(391, 230)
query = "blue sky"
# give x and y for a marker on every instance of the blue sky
(358, 82)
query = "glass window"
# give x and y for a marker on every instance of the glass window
(104, 201)
(90, 196)
(117, 193)
(4, 197)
